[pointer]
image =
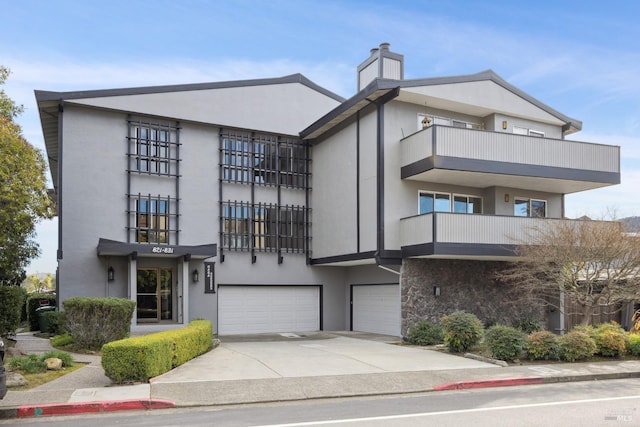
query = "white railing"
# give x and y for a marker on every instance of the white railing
(511, 148)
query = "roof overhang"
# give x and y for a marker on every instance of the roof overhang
(108, 247)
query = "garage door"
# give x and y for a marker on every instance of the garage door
(259, 309)
(376, 308)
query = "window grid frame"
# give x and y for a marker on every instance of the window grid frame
(146, 146)
(147, 228)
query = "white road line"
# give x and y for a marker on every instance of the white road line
(460, 411)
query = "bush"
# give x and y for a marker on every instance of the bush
(93, 322)
(576, 345)
(425, 333)
(55, 321)
(31, 364)
(141, 358)
(527, 325)
(61, 340)
(543, 345)
(11, 300)
(462, 331)
(633, 344)
(67, 359)
(505, 342)
(610, 339)
(35, 301)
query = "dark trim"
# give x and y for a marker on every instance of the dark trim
(507, 168)
(59, 206)
(458, 249)
(380, 178)
(177, 185)
(389, 257)
(358, 181)
(351, 308)
(108, 247)
(344, 258)
(42, 95)
(321, 291)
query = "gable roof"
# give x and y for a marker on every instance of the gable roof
(404, 88)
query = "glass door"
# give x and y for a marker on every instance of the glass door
(154, 294)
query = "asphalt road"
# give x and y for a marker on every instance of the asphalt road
(597, 403)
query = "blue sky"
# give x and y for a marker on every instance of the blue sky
(580, 57)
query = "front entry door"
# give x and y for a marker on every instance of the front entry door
(154, 297)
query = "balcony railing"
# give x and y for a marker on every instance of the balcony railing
(462, 230)
(446, 141)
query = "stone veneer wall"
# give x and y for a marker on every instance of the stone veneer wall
(464, 285)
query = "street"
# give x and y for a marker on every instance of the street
(593, 403)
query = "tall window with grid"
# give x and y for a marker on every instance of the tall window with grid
(154, 219)
(153, 148)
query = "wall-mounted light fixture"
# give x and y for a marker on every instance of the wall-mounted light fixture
(195, 276)
(504, 124)
(506, 198)
(436, 291)
(111, 274)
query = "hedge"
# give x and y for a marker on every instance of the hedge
(144, 357)
(93, 322)
(33, 303)
(11, 302)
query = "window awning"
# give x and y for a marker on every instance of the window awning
(108, 247)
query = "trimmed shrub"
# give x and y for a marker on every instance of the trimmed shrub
(610, 339)
(93, 322)
(576, 345)
(11, 301)
(67, 359)
(145, 357)
(35, 301)
(56, 322)
(543, 345)
(425, 333)
(505, 342)
(462, 331)
(633, 344)
(61, 340)
(527, 325)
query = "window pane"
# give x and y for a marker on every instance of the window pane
(475, 205)
(538, 208)
(442, 203)
(426, 203)
(521, 207)
(460, 204)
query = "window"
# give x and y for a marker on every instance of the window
(263, 159)
(152, 148)
(425, 120)
(530, 208)
(272, 227)
(235, 225)
(526, 131)
(467, 204)
(434, 202)
(152, 220)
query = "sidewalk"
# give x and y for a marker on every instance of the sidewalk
(320, 365)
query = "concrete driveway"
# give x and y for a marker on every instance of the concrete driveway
(311, 355)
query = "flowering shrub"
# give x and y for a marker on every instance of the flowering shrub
(610, 339)
(462, 331)
(543, 345)
(576, 345)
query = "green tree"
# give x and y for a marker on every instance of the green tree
(23, 193)
(36, 283)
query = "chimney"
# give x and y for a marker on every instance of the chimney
(382, 63)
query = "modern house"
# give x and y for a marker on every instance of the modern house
(274, 205)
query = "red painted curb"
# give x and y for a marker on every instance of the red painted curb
(91, 407)
(502, 382)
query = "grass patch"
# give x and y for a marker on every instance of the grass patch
(39, 378)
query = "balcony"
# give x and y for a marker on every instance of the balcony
(453, 235)
(477, 158)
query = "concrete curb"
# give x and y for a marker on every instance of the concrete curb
(88, 407)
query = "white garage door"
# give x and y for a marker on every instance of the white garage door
(258, 309)
(376, 308)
